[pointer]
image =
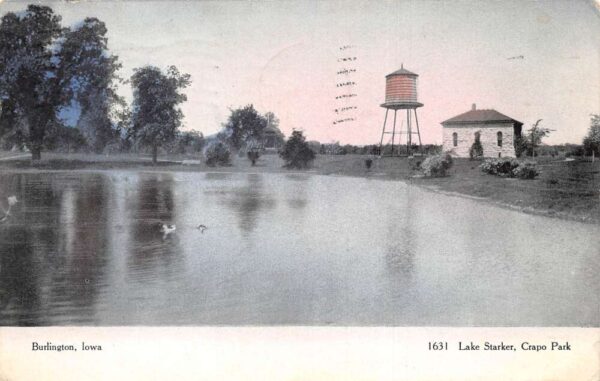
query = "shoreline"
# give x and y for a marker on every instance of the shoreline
(516, 208)
(465, 180)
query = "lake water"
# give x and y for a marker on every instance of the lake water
(85, 248)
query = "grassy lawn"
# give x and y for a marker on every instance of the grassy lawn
(565, 189)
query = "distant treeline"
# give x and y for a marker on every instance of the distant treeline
(369, 149)
(561, 150)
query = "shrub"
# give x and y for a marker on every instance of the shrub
(415, 165)
(476, 150)
(296, 153)
(217, 154)
(499, 167)
(253, 155)
(368, 163)
(507, 167)
(526, 170)
(436, 166)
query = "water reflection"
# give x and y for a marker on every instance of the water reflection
(18, 288)
(86, 227)
(154, 207)
(28, 240)
(401, 244)
(296, 191)
(217, 176)
(86, 248)
(54, 247)
(249, 201)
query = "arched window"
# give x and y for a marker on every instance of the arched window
(454, 139)
(499, 134)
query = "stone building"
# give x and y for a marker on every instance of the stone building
(495, 131)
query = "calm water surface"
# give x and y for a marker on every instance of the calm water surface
(85, 248)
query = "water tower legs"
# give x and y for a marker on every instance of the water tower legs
(394, 133)
(383, 133)
(408, 133)
(418, 132)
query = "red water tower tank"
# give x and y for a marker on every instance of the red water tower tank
(401, 90)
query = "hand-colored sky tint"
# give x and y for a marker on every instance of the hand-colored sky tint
(282, 57)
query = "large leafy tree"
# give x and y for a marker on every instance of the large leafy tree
(156, 115)
(30, 89)
(243, 125)
(90, 73)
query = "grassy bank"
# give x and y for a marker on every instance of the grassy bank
(564, 189)
(569, 190)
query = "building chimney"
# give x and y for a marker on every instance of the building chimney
(474, 107)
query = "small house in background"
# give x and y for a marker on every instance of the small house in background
(495, 131)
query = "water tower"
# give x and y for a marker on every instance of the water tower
(401, 94)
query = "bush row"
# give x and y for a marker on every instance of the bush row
(508, 167)
(296, 153)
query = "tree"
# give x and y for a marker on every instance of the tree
(30, 90)
(244, 125)
(217, 153)
(66, 139)
(520, 144)
(156, 116)
(591, 142)
(296, 152)
(90, 74)
(535, 136)
(188, 142)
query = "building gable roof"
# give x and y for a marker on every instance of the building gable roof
(480, 116)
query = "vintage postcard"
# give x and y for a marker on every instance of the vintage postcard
(300, 190)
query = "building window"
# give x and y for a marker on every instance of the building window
(455, 139)
(499, 134)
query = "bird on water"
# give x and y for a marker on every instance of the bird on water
(202, 228)
(12, 200)
(167, 229)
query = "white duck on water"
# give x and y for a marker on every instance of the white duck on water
(12, 200)
(167, 229)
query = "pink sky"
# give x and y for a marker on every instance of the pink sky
(282, 57)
